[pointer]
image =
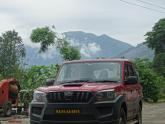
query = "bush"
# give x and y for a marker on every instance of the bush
(150, 80)
(35, 77)
(25, 97)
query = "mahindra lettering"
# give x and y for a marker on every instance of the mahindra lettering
(101, 91)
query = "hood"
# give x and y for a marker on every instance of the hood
(80, 87)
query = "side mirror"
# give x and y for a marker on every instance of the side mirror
(131, 80)
(50, 82)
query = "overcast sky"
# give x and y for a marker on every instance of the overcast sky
(115, 18)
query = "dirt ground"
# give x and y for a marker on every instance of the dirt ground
(152, 114)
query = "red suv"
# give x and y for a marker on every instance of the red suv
(101, 91)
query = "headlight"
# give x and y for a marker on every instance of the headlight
(105, 95)
(39, 96)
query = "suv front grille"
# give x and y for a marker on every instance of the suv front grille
(69, 97)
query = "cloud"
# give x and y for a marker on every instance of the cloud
(87, 50)
(50, 54)
(74, 43)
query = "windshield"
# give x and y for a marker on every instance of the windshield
(90, 71)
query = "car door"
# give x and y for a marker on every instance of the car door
(129, 90)
(136, 94)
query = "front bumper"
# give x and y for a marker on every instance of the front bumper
(93, 113)
(73, 122)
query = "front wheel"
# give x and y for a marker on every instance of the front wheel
(122, 119)
(139, 116)
(7, 109)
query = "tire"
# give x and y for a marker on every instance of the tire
(139, 116)
(122, 118)
(7, 109)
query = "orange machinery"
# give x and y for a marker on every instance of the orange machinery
(9, 89)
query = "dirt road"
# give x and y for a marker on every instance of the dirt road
(152, 114)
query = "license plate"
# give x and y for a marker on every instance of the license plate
(67, 111)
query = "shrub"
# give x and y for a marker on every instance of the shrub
(35, 77)
(149, 79)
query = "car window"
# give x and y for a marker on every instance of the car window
(129, 71)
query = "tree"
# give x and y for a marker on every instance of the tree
(12, 52)
(156, 40)
(70, 53)
(159, 63)
(47, 37)
(150, 80)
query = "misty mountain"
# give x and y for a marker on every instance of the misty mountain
(33, 57)
(140, 51)
(91, 46)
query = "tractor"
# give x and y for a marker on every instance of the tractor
(9, 89)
